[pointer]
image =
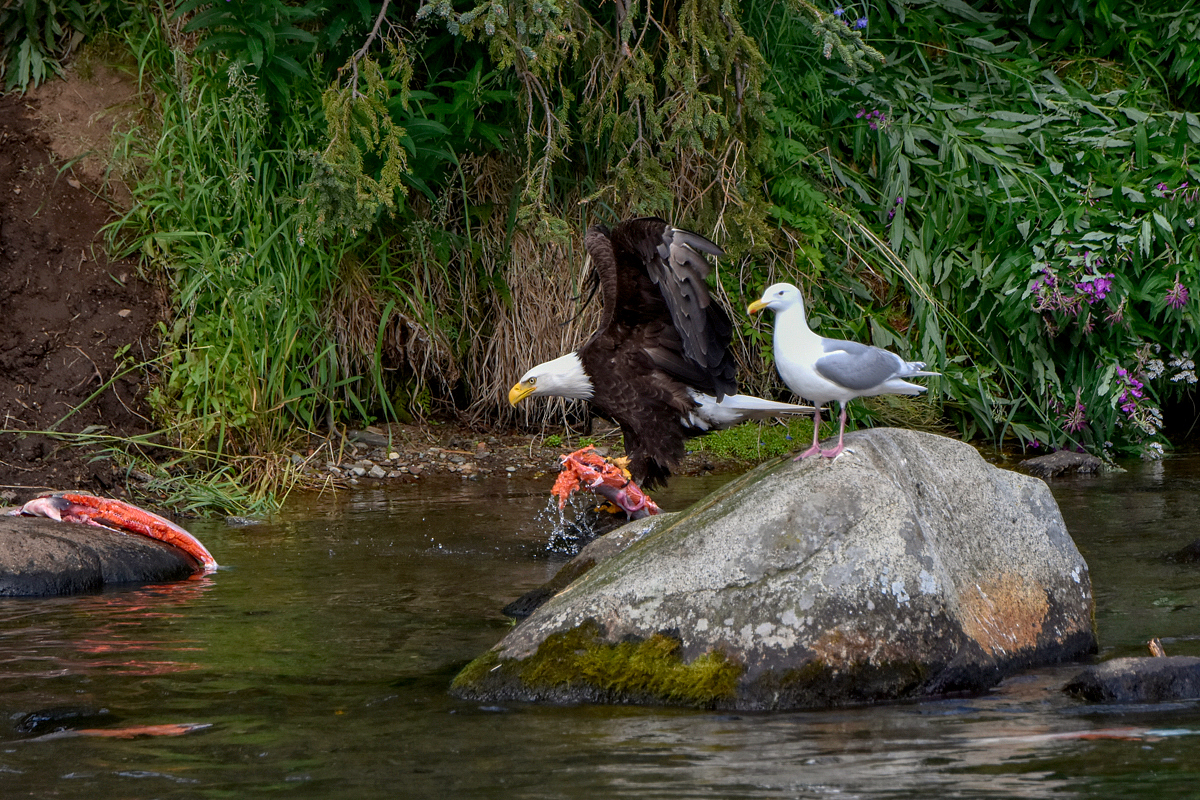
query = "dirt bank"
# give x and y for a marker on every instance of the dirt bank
(69, 316)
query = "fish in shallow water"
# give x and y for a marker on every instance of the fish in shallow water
(116, 515)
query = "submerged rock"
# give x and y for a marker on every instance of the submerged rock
(1061, 462)
(42, 558)
(908, 567)
(1139, 680)
(597, 550)
(1189, 554)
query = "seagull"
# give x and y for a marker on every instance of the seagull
(822, 370)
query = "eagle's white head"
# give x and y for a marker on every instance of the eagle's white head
(562, 377)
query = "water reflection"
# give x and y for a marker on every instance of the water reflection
(316, 663)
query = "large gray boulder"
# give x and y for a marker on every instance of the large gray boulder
(41, 558)
(906, 568)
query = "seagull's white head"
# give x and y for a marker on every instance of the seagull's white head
(562, 377)
(778, 297)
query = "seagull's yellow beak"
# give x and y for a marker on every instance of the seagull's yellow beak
(755, 307)
(519, 392)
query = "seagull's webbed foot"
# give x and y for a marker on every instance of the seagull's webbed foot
(837, 451)
(815, 450)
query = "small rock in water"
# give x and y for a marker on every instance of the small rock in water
(1189, 553)
(1149, 679)
(60, 718)
(1060, 463)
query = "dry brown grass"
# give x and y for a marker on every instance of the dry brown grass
(539, 319)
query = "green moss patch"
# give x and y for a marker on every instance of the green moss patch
(756, 442)
(579, 664)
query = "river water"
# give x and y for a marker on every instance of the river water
(315, 664)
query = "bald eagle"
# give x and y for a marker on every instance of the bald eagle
(659, 365)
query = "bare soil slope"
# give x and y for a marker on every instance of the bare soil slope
(65, 311)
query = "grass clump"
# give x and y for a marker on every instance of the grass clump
(753, 442)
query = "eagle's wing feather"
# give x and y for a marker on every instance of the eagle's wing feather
(604, 262)
(673, 260)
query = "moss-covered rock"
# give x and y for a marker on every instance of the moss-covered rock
(578, 665)
(907, 567)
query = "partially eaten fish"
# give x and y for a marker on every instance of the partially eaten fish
(587, 469)
(116, 515)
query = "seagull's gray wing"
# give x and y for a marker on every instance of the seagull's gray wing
(855, 366)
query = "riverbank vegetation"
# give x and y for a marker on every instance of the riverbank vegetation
(374, 211)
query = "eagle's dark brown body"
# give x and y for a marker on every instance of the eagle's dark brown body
(660, 336)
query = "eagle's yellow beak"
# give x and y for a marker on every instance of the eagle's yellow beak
(519, 392)
(755, 307)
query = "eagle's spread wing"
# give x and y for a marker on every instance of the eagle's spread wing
(673, 262)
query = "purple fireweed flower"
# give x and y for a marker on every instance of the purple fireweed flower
(1177, 297)
(1096, 289)
(1117, 315)
(1076, 419)
(874, 118)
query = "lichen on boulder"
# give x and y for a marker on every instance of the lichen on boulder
(908, 567)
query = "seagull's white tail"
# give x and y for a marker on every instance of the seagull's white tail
(916, 369)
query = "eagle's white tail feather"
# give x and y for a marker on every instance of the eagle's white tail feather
(736, 408)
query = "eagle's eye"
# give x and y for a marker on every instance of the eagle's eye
(532, 381)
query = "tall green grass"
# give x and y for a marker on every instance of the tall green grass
(249, 360)
(982, 193)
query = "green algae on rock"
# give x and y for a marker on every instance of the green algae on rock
(579, 666)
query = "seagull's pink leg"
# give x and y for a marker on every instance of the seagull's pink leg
(841, 432)
(816, 445)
